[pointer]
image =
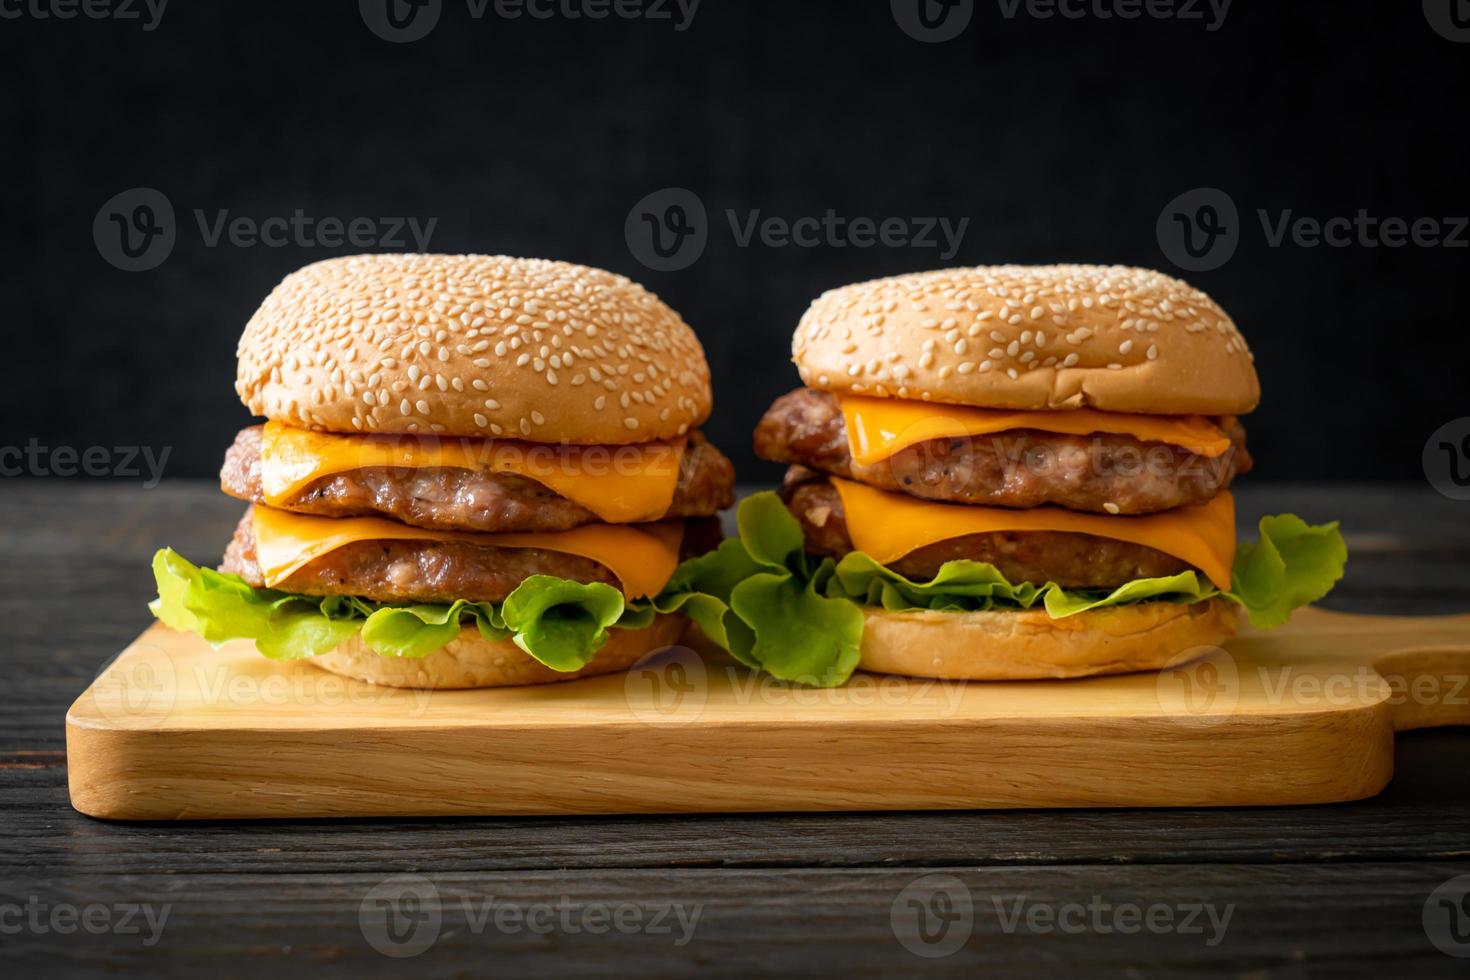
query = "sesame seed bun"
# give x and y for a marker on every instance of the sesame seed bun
(1030, 645)
(472, 345)
(1030, 337)
(473, 661)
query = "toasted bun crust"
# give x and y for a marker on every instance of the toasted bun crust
(1031, 337)
(472, 345)
(1030, 645)
(473, 661)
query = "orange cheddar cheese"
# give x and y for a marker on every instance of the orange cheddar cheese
(620, 484)
(886, 526)
(877, 428)
(643, 557)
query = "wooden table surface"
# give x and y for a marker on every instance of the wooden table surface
(1338, 889)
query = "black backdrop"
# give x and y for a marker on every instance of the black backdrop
(1059, 139)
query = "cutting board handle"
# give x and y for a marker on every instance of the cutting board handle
(1431, 685)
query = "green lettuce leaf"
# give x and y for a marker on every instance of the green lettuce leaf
(801, 620)
(1293, 563)
(560, 623)
(775, 613)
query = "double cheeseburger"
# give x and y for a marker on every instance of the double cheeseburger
(1015, 472)
(474, 471)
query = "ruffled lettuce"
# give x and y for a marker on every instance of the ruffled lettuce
(778, 616)
(560, 623)
(801, 619)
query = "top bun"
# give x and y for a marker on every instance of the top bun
(1112, 338)
(472, 345)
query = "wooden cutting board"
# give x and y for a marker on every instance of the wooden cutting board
(173, 729)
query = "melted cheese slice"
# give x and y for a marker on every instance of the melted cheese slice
(886, 526)
(877, 428)
(643, 558)
(620, 484)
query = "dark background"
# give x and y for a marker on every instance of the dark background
(1060, 140)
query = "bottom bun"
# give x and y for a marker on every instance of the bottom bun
(473, 661)
(1030, 645)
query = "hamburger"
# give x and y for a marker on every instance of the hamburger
(1007, 473)
(473, 471)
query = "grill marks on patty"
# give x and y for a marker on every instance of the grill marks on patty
(468, 500)
(434, 571)
(1100, 473)
(1077, 561)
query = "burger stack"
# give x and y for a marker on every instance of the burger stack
(474, 471)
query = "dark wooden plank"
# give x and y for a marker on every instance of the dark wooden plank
(1358, 920)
